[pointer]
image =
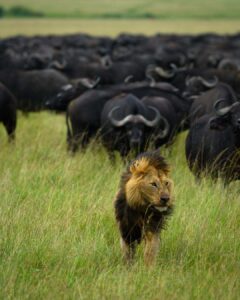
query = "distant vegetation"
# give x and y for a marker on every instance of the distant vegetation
(19, 11)
(123, 9)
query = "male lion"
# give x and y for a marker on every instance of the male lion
(143, 203)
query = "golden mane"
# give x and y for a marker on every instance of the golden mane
(148, 166)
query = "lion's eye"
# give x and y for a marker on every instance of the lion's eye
(154, 184)
(167, 183)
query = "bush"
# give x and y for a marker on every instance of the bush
(2, 12)
(21, 11)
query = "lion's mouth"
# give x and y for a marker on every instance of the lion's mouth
(161, 208)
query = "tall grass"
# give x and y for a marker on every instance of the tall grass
(59, 239)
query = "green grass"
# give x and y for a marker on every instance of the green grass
(100, 27)
(59, 239)
(204, 9)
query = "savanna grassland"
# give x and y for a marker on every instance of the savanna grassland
(58, 235)
(111, 17)
(163, 9)
(59, 239)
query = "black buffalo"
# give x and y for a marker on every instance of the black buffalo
(205, 103)
(213, 144)
(84, 113)
(127, 124)
(174, 120)
(8, 115)
(33, 88)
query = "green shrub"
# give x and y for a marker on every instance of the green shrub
(2, 11)
(21, 11)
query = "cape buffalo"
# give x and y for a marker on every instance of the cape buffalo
(8, 115)
(33, 88)
(127, 124)
(213, 144)
(84, 113)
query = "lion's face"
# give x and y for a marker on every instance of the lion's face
(148, 186)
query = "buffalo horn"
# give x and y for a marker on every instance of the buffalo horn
(88, 83)
(58, 65)
(221, 111)
(164, 73)
(166, 129)
(208, 83)
(135, 118)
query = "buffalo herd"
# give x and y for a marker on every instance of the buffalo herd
(132, 92)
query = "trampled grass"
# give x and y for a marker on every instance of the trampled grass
(59, 239)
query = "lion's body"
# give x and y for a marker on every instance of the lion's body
(143, 203)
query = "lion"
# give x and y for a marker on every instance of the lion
(143, 203)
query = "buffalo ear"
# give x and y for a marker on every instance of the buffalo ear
(218, 123)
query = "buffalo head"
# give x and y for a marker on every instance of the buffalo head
(68, 92)
(136, 125)
(226, 116)
(197, 84)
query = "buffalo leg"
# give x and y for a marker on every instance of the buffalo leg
(10, 126)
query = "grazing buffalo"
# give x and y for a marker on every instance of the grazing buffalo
(84, 113)
(33, 88)
(213, 143)
(126, 125)
(8, 115)
(173, 120)
(67, 93)
(204, 104)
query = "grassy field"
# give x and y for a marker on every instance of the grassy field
(10, 27)
(222, 9)
(59, 239)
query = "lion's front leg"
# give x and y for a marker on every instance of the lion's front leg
(151, 248)
(128, 251)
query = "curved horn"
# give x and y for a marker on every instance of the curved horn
(118, 123)
(88, 83)
(221, 111)
(216, 104)
(94, 83)
(207, 83)
(147, 122)
(135, 118)
(128, 78)
(57, 65)
(151, 78)
(225, 62)
(166, 129)
(164, 73)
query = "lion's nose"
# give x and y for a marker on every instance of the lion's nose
(164, 199)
